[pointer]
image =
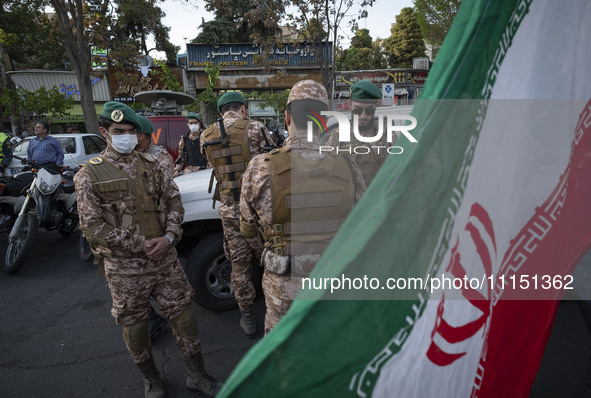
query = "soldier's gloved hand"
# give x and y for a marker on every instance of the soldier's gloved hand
(157, 248)
(2, 168)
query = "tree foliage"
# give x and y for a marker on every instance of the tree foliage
(362, 55)
(241, 21)
(331, 15)
(362, 59)
(77, 21)
(219, 30)
(362, 39)
(34, 40)
(435, 18)
(207, 99)
(42, 103)
(139, 20)
(406, 40)
(29, 37)
(313, 31)
(276, 101)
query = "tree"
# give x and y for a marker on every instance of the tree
(313, 31)
(362, 55)
(29, 37)
(124, 28)
(406, 41)
(362, 59)
(242, 21)
(45, 103)
(207, 99)
(435, 18)
(71, 17)
(137, 20)
(220, 30)
(331, 14)
(362, 39)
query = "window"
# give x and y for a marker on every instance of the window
(100, 142)
(90, 146)
(65, 141)
(20, 149)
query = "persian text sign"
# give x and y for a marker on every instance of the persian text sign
(378, 77)
(242, 56)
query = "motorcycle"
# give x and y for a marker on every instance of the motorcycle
(12, 198)
(50, 203)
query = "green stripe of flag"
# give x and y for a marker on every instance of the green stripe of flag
(321, 346)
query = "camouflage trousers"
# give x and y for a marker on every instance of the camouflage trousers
(166, 282)
(280, 291)
(240, 250)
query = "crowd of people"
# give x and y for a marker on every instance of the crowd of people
(279, 206)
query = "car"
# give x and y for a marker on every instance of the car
(78, 148)
(202, 245)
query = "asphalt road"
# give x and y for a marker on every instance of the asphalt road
(58, 339)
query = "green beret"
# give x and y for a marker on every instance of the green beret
(118, 112)
(230, 97)
(146, 125)
(365, 90)
(193, 116)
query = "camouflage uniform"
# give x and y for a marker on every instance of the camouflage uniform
(133, 278)
(238, 249)
(369, 163)
(161, 155)
(256, 207)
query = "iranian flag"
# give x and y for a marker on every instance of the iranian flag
(494, 199)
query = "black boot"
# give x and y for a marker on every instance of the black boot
(198, 379)
(153, 386)
(248, 324)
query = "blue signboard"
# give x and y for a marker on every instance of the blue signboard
(248, 56)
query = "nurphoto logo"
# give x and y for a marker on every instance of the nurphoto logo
(358, 140)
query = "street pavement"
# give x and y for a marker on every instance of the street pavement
(58, 339)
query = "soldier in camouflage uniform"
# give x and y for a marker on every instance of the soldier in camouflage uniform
(190, 158)
(131, 212)
(156, 323)
(229, 150)
(297, 198)
(363, 102)
(146, 144)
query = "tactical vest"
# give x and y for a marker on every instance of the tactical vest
(229, 157)
(193, 156)
(3, 137)
(311, 199)
(370, 163)
(122, 197)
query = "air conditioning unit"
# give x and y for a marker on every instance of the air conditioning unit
(421, 63)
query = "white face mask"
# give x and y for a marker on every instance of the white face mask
(194, 128)
(124, 143)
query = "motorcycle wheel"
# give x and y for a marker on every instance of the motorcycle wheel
(19, 247)
(84, 249)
